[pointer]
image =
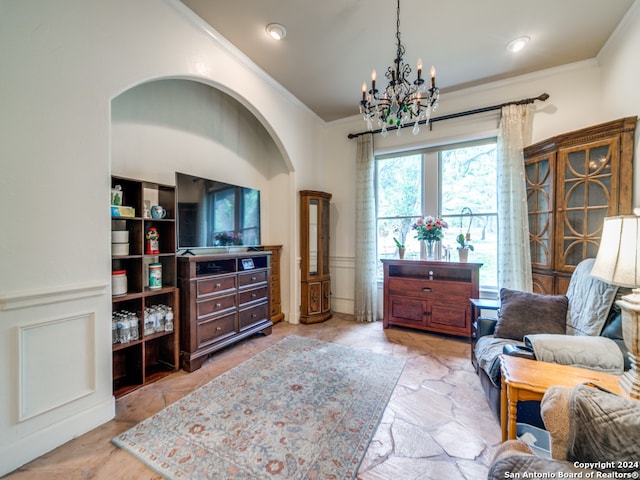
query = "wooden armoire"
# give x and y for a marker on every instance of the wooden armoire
(574, 181)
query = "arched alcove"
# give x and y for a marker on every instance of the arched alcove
(171, 125)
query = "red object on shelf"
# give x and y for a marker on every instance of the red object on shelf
(153, 241)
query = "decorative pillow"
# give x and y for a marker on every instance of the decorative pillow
(523, 313)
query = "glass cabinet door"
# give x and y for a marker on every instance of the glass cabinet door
(586, 193)
(312, 254)
(325, 237)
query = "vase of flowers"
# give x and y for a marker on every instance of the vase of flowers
(430, 230)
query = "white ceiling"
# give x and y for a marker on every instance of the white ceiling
(331, 46)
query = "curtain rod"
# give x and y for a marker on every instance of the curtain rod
(524, 101)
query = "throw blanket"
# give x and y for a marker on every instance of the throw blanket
(594, 353)
(604, 427)
(604, 441)
(590, 300)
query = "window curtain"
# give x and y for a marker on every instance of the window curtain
(514, 255)
(366, 286)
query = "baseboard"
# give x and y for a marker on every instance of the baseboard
(23, 450)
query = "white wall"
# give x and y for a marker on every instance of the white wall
(620, 72)
(63, 62)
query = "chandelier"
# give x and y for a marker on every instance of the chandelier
(401, 102)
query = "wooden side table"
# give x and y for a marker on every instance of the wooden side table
(524, 379)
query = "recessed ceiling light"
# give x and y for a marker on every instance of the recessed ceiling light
(518, 44)
(276, 31)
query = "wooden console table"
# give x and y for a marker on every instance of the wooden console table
(432, 296)
(524, 379)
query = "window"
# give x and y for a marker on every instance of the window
(457, 182)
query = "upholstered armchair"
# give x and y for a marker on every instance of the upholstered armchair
(593, 434)
(581, 329)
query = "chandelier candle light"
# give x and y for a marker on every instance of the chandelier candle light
(401, 102)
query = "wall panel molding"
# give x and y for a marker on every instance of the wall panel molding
(45, 296)
(68, 374)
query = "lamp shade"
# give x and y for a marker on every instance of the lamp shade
(618, 259)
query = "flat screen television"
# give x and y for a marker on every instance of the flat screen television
(216, 214)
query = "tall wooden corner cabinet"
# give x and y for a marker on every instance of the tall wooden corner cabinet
(574, 181)
(146, 319)
(315, 304)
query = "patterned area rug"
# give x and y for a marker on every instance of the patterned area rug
(302, 409)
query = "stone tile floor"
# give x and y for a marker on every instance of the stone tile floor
(437, 425)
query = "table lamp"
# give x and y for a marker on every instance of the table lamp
(618, 263)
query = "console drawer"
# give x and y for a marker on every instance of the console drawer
(215, 305)
(215, 329)
(252, 278)
(411, 287)
(254, 295)
(215, 286)
(251, 316)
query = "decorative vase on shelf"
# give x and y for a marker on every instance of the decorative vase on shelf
(431, 249)
(463, 255)
(401, 253)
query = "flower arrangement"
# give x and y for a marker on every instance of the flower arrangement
(429, 228)
(228, 238)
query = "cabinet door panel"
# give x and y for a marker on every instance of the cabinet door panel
(543, 284)
(407, 311)
(326, 296)
(449, 316)
(586, 192)
(540, 181)
(314, 300)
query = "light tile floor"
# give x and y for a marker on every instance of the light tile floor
(437, 425)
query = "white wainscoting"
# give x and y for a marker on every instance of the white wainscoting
(45, 296)
(342, 284)
(56, 363)
(55, 368)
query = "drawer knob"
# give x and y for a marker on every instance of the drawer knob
(218, 305)
(218, 329)
(218, 285)
(427, 290)
(253, 279)
(254, 295)
(253, 315)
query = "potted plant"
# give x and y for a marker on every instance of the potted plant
(401, 248)
(464, 247)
